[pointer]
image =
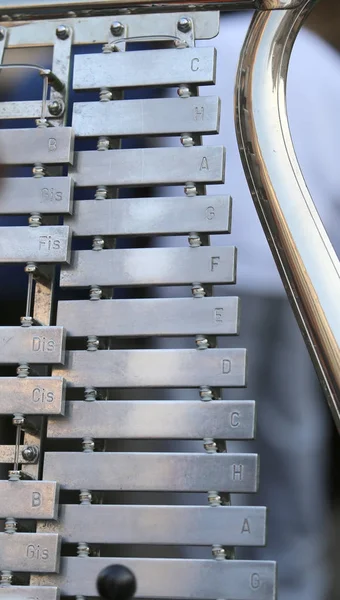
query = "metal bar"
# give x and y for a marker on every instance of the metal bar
(150, 216)
(35, 345)
(21, 109)
(173, 578)
(149, 166)
(308, 265)
(32, 395)
(23, 592)
(194, 525)
(155, 368)
(96, 29)
(153, 471)
(37, 9)
(30, 552)
(159, 419)
(145, 68)
(29, 499)
(46, 195)
(40, 145)
(158, 116)
(7, 455)
(150, 266)
(48, 244)
(148, 316)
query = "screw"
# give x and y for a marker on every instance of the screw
(85, 497)
(62, 32)
(23, 371)
(206, 393)
(2, 33)
(31, 268)
(10, 525)
(194, 240)
(95, 293)
(55, 108)
(26, 321)
(184, 24)
(184, 91)
(35, 220)
(197, 290)
(30, 453)
(214, 498)
(187, 140)
(117, 28)
(190, 189)
(97, 243)
(218, 552)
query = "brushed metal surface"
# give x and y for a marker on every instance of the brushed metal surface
(149, 166)
(154, 368)
(40, 145)
(194, 525)
(35, 345)
(29, 499)
(46, 195)
(230, 420)
(30, 552)
(151, 216)
(32, 395)
(148, 316)
(45, 244)
(145, 68)
(152, 471)
(29, 592)
(155, 116)
(150, 266)
(174, 578)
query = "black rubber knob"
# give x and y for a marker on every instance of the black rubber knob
(116, 582)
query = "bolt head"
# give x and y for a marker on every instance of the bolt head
(30, 453)
(62, 32)
(184, 24)
(117, 28)
(55, 108)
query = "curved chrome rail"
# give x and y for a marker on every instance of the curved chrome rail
(307, 263)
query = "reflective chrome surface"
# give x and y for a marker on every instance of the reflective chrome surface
(304, 256)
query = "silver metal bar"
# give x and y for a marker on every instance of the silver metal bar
(152, 471)
(29, 499)
(142, 419)
(7, 454)
(194, 525)
(46, 195)
(145, 68)
(30, 552)
(151, 216)
(47, 244)
(155, 368)
(39, 145)
(21, 109)
(32, 395)
(148, 316)
(303, 253)
(35, 345)
(96, 29)
(149, 166)
(173, 578)
(21, 592)
(150, 266)
(158, 116)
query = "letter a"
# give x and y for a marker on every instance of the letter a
(204, 164)
(245, 526)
